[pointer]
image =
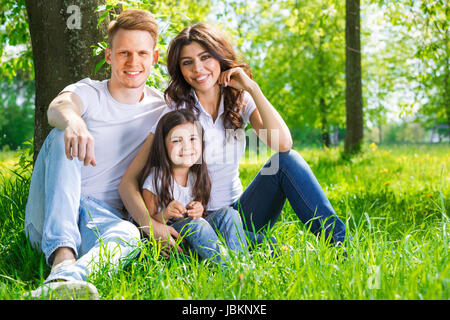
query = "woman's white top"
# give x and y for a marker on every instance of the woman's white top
(223, 150)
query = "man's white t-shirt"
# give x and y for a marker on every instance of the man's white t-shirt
(118, 129)
(223, 150)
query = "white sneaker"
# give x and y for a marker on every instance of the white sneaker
(66, 290)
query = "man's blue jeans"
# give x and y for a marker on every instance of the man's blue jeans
(262, 201)
(58, 215)
(204, 235)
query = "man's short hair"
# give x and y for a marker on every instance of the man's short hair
(133, 19)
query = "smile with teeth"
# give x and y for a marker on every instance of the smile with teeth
(187, 154)
(201, 78)
(132, 73)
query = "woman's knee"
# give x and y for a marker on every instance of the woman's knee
(290, 160)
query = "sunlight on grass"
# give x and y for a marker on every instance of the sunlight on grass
(394, 201)
(7, 161)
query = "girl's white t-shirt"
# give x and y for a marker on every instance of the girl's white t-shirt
(223, 150)
(180, 193)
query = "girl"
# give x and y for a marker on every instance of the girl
(176, 188)
(207, 79)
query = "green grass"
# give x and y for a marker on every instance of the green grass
(394, 201)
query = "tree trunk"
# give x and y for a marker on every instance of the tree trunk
(62, 33)
(353, 92)
(324, 124)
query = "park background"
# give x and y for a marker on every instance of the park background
(390, 187)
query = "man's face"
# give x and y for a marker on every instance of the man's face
(131, 57)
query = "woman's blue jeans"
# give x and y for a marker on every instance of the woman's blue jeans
(204, 235)
(261, 202)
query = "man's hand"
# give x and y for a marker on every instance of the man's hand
(79, 143)
(195, 209)
(64, 113)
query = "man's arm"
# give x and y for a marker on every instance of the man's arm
(64, 113)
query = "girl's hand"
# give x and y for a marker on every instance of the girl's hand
(195, 209)
(236, 78)
(174, 210)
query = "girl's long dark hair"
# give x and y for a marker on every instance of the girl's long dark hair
(179, 92)
(159, 161)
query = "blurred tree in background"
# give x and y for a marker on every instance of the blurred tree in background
(16, 76)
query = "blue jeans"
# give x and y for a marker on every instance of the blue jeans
(262, 201)
(204, 235)
(58, 215)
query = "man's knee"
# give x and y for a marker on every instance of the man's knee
(131, 232)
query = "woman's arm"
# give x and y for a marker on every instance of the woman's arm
(134, 203)
(151, 201)
(265, 115)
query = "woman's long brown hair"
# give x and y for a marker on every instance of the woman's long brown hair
(159, 161)
(179, 92)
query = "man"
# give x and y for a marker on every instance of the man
(74, 213)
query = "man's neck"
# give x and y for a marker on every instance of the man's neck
(125, 95)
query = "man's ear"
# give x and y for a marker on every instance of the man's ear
(155, 56)
(108, 55)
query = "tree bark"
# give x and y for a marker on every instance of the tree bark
(62, 33)
(324, 123)
(353, 90)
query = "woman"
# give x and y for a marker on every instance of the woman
(207, 78)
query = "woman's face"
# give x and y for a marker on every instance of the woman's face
(184, 145)
(199, 68)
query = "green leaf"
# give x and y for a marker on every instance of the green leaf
(99, 65)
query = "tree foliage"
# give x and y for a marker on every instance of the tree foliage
(296, 51)
(420, 43)
(14, 34)
(16, 113)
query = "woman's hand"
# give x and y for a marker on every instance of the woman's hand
(195, 209)
(168, 236)
(175, 209)
(237, 78)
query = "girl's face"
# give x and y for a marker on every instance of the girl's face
(184, 145)
(198, 67)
